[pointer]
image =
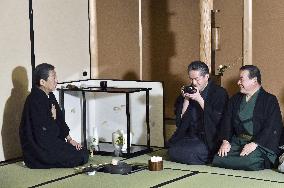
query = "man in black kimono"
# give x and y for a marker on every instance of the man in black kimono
(44, 135)
(252, 126)
(198, 116)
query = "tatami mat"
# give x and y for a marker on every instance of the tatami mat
(212, 181)
(174, 175)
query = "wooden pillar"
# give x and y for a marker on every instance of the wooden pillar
(93, 46)
(140, 42)
(247, 32)
(205, 7)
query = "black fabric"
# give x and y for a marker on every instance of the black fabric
(189, 150)
(43, 138)
(206, 129)
(267, 121)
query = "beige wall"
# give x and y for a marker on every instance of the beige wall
(267, 42)
(61, 38)
(229, 19)
(268, 45)
(61, 30)
(118, 39)
(15, 73)
(170, 42)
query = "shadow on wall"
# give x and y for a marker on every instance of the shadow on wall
(281, 100)
(130, 76)
(156, 126)
(13, 112)
(162, 48)
(232, 86)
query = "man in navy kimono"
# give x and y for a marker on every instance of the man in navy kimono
(252, 126)
(44, 135)
(198, 116)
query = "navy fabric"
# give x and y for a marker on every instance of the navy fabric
(195, 140)
(192, 120)
(191, 151)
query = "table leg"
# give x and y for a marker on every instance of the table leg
(147, 119)
(84, 119)
(128, 123)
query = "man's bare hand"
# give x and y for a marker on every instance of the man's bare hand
(224, 149)
(53, 111)
(75, 144)
(248, 148)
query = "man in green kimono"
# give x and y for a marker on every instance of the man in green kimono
(252, 126)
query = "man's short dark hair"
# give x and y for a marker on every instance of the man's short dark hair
(198, 66)
(41, 72)
(253, 72)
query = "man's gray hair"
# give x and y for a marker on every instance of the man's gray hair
(41, 72)
(198, 66)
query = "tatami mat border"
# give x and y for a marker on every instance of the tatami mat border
(176, 179)
(11, 161)
(222, 174)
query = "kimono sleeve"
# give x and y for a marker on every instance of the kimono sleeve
(272, 126)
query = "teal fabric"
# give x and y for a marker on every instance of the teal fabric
(253, 161)
(246, 112)
(256, 159)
